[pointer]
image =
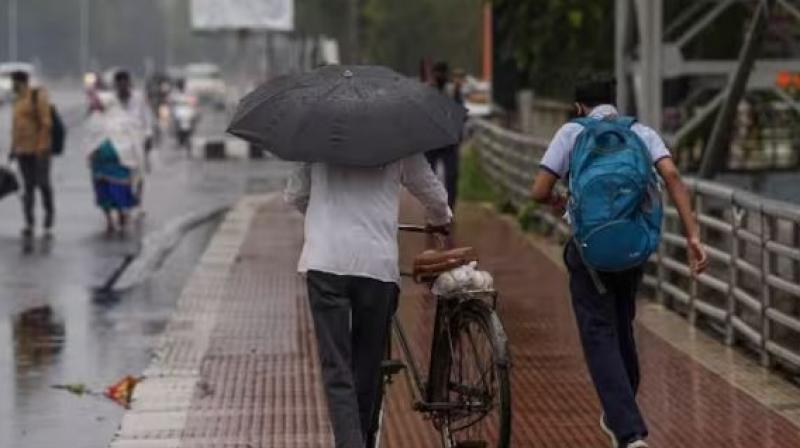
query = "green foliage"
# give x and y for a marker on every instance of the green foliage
(398, 33)
(527, 218)
(555, 42)
(473, 183)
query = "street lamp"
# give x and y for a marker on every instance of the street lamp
(13, 16)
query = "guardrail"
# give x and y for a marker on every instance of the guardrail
(751, 292)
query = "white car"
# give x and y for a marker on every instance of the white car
(204, 81)
(6, 85)
(477, 97)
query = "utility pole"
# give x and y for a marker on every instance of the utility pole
(354, 27)
(85, 50)
(13, 29)
(716, 149)
(169, 19)
(488, 42)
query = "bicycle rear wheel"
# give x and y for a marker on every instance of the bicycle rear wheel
(478, 385)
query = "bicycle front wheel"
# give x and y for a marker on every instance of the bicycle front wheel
(478, 387)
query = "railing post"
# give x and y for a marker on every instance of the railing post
(660, 275)
(693, 289)
(767, 227)
(660, 255)
(796, 243)
(733, 273)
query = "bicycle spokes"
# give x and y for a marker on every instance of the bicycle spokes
(474, 387)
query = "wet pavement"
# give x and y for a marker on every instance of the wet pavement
(554, 404)
(54, 328)
(238, 366)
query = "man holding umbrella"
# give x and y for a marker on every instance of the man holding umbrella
(361, 133)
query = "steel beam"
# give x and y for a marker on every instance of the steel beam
(621, 58)
(714, 154)
(788, 99)
(648, 79)
(790, 7)
(703, 23)
(702, 115)
(684, 17)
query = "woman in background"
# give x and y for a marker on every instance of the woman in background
(115, 156)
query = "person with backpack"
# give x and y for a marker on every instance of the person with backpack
(31, 146)
(612, 166)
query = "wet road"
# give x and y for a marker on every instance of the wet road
(54, 329)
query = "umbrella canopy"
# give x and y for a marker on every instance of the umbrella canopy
(357, 115)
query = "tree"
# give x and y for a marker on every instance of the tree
(555, 42)
(398, 33)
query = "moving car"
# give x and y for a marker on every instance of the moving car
(204, 81)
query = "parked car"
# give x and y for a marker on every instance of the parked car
(6, 69)
(204, 81)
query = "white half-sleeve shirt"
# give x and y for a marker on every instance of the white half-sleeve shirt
(557, 157)
(352, 214)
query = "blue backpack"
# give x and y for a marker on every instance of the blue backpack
(615, 200)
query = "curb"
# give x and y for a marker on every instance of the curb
(161, 401)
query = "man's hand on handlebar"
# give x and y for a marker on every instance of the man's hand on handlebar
(438, 230)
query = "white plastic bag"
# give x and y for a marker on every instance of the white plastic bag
(462, 279)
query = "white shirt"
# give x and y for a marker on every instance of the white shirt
(556, 158)
(120, 127)
(140, 113)
(352, 214)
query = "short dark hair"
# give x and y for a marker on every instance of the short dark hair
(20, 76)
(441, 67)
(122, 75)
(596, 91)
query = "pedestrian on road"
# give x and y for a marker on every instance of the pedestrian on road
(616, 223)
(135, 105)
(31, 147)
(115, 156)
(448, 156)
(350, 259)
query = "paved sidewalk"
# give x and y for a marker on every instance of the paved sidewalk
(237, 366)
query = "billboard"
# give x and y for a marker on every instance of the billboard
(220, 15)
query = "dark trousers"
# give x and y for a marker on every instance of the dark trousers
(351, 321)
(605, 323)
(35, 170)
(449, 157)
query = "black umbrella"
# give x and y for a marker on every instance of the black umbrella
(359, 115)
(8, 182)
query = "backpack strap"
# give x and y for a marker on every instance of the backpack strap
(598, 283)
(584, 121)
(626, 121)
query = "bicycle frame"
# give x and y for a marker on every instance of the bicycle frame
(430, 396)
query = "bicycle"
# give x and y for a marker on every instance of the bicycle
(467, 391)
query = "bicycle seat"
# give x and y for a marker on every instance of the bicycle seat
(432, 263)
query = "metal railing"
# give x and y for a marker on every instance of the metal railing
(751, 291)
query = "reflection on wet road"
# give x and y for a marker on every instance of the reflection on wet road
(54, 328)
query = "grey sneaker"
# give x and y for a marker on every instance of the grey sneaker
(638, 444)
(608, 431)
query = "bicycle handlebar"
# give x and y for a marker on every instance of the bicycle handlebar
(431, 230)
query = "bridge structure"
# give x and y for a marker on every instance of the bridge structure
(651, 50)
